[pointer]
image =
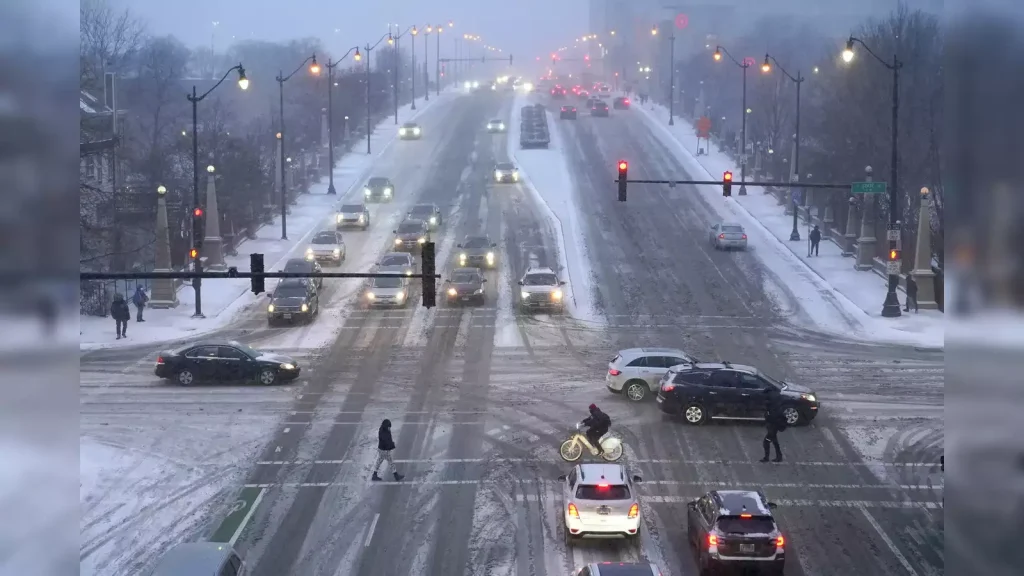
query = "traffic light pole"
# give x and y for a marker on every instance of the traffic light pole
(197, 282)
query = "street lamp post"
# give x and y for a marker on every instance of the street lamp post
(671, 75)
(330, 114)
(891, 306)
(394, 42)
(314, 69)
(195, 99)
(743, 126)
(368, 50)
(437, 61)
(413, 79)
(426, 63)
(794, 234)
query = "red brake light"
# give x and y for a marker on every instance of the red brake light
(721, 236)
(744, 236)
(602, 486)
(712, 540)
(159, 359)
(614, 372)
(627, 100)
(634, 510)
(780, 541)
(573, 511)
(745, 516)
(668, 387)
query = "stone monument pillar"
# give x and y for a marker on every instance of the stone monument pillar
(867, 240)
(922, 272)
(164, 294)
(213, 244)
(850, 232)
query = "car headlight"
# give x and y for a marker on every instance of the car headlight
(310, 256)
(337, 251)
(501, 126)
(476, 84)
(479, 291)
(462, 256)
(497, 175)
(401, 132)
(400, 295)
(305, 308)
(416, 131)
(515, 175)
(339, 219)
(467, 85)
(287, 366)
(433, 219)
(367, 191)
(362, 218)
(490, 256)
(270, 308)
(422, 240)
(387, 191)
(370, 295)
(453, 292)
(557, 295)
(398, 241)
(524, 294)
(809, 397)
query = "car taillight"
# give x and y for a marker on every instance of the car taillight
(780, 541)
(159, 360)
(722, 236)
(614, 372)
(626, 101)
(668, 387)
(712, 541)
(744, 236)
(573, 511)
(634, 510)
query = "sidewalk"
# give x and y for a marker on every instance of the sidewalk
(225, 300)
(815, 281)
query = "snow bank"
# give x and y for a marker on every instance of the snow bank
(546, 174)
(833, 295)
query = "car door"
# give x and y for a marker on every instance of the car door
(723, 393)
(231, 362)
(751, 401)
(657, 366)
(636, 369)
(202, 360)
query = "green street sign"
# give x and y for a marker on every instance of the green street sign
(867, 188)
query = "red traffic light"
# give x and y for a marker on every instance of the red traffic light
(587, 57)
(198, 212)
(894, 255)
(727, 177)
(623, 165)
(193, 253)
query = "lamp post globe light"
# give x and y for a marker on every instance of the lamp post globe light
(891, 306)
(211, 169)
(194, 98)
(314, 69)
(330, 114)
(161, 190)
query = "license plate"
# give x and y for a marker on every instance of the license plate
(287, 316)
(604, 510)
(747, 548)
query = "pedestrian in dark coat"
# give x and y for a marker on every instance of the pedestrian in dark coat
(775, 422)
(121, 314)
(385, 447)
(139, 299)
(911, 294)
(815, 238)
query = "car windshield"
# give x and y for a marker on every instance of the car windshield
(733, 229)
(603, 492)
(410, 125)
(394, 261)
(752, 525)
(290, 291)
(478, 242)
(352, 208)
(410, 228)
(422, 209)
(777, 383)
(298, 266)
(378, 182)
(325, 239)
(506, 166)
(540, 280)
(387, 282)
(464, 278)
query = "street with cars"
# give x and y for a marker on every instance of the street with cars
(483, 389)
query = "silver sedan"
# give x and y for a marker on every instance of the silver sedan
(727, 236)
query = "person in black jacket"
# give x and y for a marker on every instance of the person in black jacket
(815, 238)
(121, 314)
(775, 422)
(598, 424)
(911, 294)
(385, 446)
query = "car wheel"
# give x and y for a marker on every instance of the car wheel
(694, 413)
(186, 377)
(635, 390)
(792, 416)
(268, 377)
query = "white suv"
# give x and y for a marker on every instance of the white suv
(636, 371)
(600, 500)
(540, 289)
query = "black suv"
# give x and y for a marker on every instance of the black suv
(698, 392)
(379, 189)
(735, 529)
(621, 103)
(293, 300)
(300, 265)
(599, 109)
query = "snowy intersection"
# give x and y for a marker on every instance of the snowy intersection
(480, 398)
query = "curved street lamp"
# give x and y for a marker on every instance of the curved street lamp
(766, 67)
(314, 69)
(719, 51)
(330, 113)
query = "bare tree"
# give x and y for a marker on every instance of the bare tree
(108, 40)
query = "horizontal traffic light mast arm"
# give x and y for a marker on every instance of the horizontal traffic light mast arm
(473, 60)
(741, 182)
(234, 273)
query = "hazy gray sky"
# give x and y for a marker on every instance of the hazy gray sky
(524, 27)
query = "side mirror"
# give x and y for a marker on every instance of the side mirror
(691, 505)
(458, 245)
(483, 280)
(520, 282)
(561, 282)
(394, 231)
(772, 505)
(637, 478)
(494, 244)
(447, 281)
(562, 478)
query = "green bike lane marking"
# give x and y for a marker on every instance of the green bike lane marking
(241, 512)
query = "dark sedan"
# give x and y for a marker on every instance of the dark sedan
(225, 361)
(477, 251)
(466, 286)
(599, 109)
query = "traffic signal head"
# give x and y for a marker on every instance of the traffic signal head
(727, 184)
(894, 255)
(256, 267)
(623, 168)
(193, 253)
(197, 212)
(429, 269)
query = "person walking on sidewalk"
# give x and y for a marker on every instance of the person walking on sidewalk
(775, 422)
(911, 294)
(385, 446)
(121, 314)
(815, 238)
(139, 299)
